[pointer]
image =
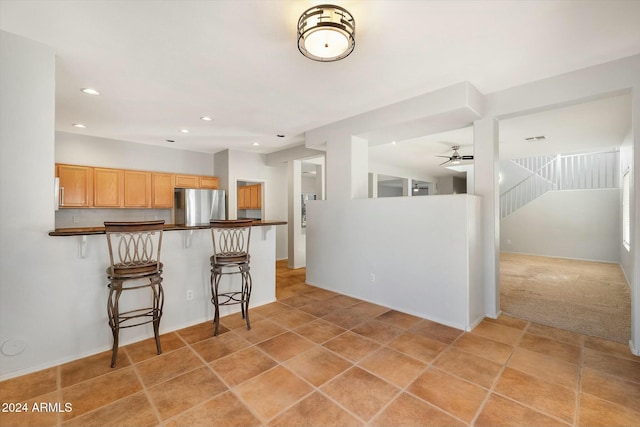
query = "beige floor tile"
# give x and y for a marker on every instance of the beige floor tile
(436, 331)
(393, 366)
(346, 318)
(613, 389)
(317, 365)
(407, 410)
(219, 346)
(552, 348)
(500, 333)
(453, 395)
(25, 415)
(557, 334)
(235, 320)
(293, 318)
(260, 331)
(484, 347)
(360, 392)
(27, 386)
(370, 309)
(399, 319)
(146, 349)
(611, 348)
(285, 346)
(199, 332)
(242, 365)
(315, 409)
(184, 391)
(612, 365)
(272, 392)
(598, 412)
(223, 410)
(91, 367)
(100, 391)
(377, 331)
(417, 346)
(272, 309)
(501, 412)
(546, 397)
(509, 321)
(164, 367)
(133, 410)
(319, 331)
(472, 368)
(352, 346)
(544, 367)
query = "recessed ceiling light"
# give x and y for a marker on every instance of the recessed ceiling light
(184, 130)
(89, 91)
(78, 125)
(255, 144)
(393, 143)
(206, 118)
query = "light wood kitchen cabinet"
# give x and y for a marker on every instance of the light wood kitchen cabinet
(210, 182)
(137, 189)
(107, 187)
(196, 181)
(250, 196)
(162, 190)
(187, 181)
(76, 186)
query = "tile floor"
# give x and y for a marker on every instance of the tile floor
(317, 358)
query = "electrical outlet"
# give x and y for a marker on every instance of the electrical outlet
(189, 295)
(372, 277)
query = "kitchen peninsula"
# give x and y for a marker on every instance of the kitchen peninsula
(185, 255)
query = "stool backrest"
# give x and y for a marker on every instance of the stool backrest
(231, 239)
(134, 244)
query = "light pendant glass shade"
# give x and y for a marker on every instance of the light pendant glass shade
(326, 33)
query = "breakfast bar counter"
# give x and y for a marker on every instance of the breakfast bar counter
(186, 253)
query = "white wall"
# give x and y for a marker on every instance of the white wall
(420, 250)
(245, 166)
(626, 162)
(110, 153)
(580, 224)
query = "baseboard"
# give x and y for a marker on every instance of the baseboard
(635, 351)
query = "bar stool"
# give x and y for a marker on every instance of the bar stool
(134, 253)
(230, 256)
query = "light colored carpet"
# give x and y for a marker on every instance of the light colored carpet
(590, 298)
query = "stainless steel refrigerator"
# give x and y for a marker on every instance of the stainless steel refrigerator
(197, 206)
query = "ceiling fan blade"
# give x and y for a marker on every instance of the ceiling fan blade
(446, 157)
(444, 163)
(467, 157)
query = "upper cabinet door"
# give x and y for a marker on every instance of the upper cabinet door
(209, 182)
(161, 190)
(187, 181)
(107, 187)
(137, 189)
(76, 186)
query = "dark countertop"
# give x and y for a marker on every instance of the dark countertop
(85, 231)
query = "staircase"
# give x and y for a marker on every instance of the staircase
(561, 172)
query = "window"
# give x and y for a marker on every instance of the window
(626, 210)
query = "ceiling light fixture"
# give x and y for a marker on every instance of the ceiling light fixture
(326, 33)
(206, 118)
(255, 144)
(184, 130)
(78, 125)
(89, 91)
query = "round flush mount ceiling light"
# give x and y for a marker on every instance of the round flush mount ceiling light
(79, 125)
(326, 33)
(206, 118)
(255, 144)
(89, 91)
(184, 130)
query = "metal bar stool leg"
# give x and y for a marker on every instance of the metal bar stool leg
(158, 303)
(216, 274)
(114, 319)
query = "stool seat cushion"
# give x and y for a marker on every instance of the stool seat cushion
(230, 258)
(135, 269)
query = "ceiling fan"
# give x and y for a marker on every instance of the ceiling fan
(455, 158)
